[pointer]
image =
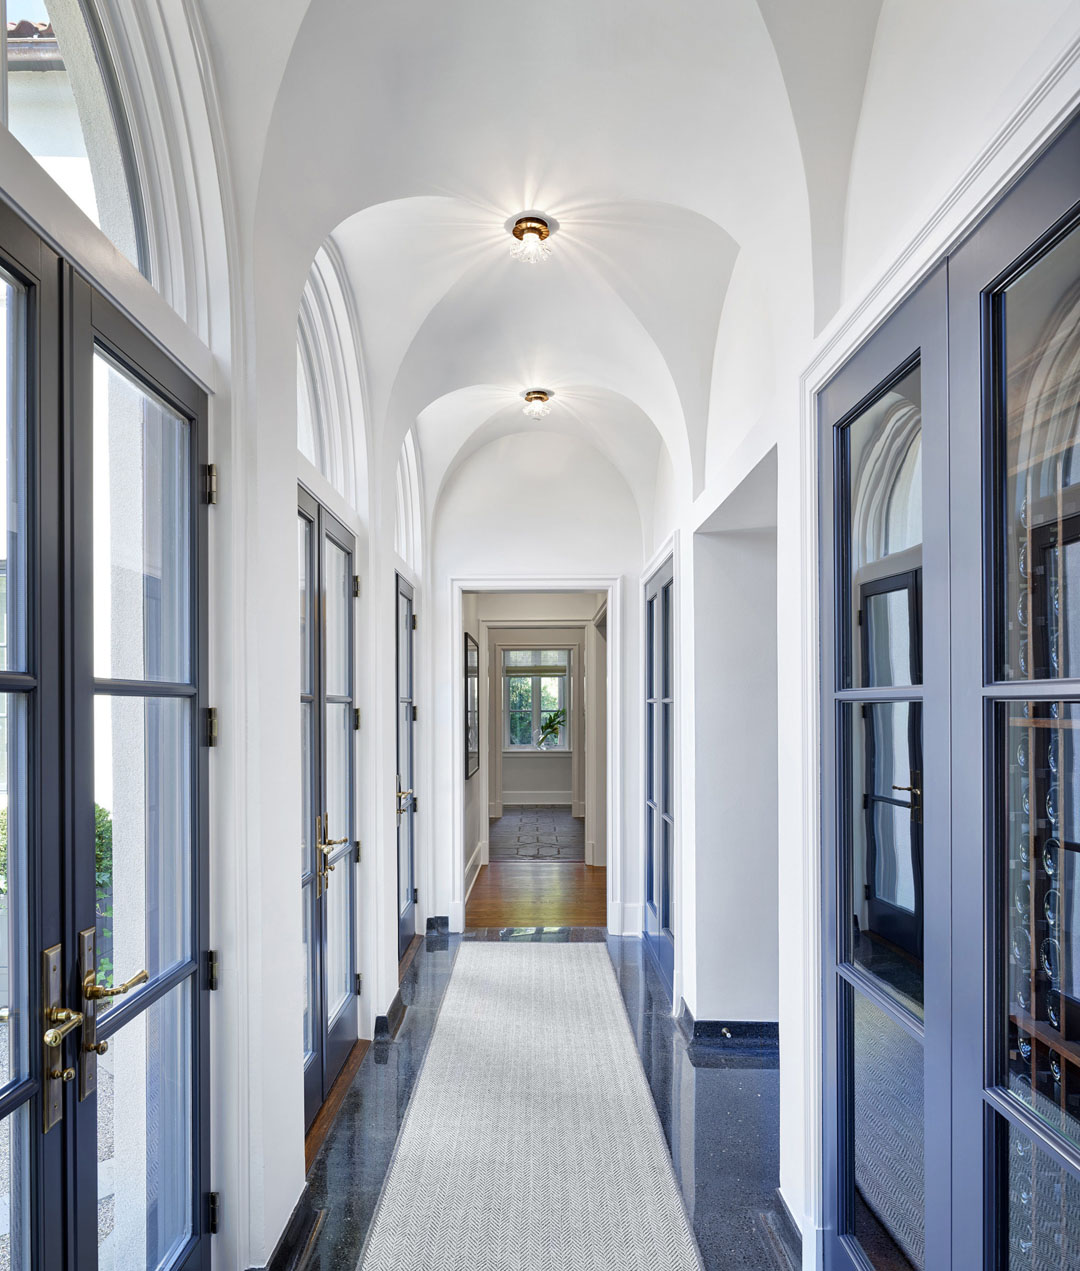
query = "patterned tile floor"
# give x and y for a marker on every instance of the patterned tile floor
(534, 832)
(720, 1115)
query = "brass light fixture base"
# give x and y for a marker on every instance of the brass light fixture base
(537, 395)
(530, 225)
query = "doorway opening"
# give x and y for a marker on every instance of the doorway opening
(535, 773)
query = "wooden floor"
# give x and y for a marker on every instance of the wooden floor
(538, 894)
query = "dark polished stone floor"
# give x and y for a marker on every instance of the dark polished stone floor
(719, 1110)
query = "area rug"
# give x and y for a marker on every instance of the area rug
(537, 833)
(531, 1140)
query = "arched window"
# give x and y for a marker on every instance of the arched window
(61, 101)
(329, 397)
(408, 521)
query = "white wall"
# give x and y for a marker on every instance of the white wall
(539, 777)
(736, 765)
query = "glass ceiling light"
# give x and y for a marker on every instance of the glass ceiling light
(537, 403)
(530, 232)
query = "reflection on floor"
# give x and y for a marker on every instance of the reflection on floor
(538, 894)
(531, 832)
(719, 1111)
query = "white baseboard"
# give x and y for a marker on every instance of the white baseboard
(473, 864)
(485, 852)
(495, 810)
(577, 808)
(633, 920)
(590, 852)
(514, 798)
(456, 916)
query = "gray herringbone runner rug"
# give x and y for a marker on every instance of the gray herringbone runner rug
(531, 1142)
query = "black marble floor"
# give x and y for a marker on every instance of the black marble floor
(719, 1109)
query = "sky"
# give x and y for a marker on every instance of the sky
(32, 9)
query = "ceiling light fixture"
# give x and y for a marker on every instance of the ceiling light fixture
(530, 232)
(537, 403)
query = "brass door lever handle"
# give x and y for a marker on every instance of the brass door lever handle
(67, 1022)
(95, 992)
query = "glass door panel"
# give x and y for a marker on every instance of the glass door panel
(145, 787)
(406, 772)
(659, 770)
(327, 847)
(884, 446)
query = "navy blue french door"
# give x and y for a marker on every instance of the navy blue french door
(104, 1039)
(659, 761)
(950, 605)
(406, 766)
(326, 552)
(884, 438)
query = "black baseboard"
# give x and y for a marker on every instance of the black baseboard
(718, 1043)
(292, 1250)
(736, 1032)
(386, 1026)
(438, 923)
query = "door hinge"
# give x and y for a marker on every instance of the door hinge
(865, 802)
(858, 618)
(356, 719)
(210, 483)
(414, 622)
(211, 726)
(866, 891)
(211, 969)
(415, 894)
(213, 1212)
(359, 983)
(414, 714)
(358, 851)
(355, 585)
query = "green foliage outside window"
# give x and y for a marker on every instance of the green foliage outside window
(103, 879)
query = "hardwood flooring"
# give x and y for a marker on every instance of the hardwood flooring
(538, 894)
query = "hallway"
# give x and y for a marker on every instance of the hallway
(718, 1111)
(514, 518)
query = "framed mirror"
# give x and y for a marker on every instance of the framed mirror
(472, 707)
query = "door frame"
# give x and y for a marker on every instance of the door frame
(623, 913)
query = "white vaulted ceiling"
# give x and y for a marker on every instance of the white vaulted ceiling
(695, 155)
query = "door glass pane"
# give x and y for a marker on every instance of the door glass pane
(143, 834)
(338, 771)
(307, 902)
(665, 873)
(887, 1098)
(303, 530)
(338, 593)
(1039, 443)
(1040, 768)
(338, 942)
(15, 1190)
(405, 818)
(13, 598)
(307, 722)
(666, 637)
(883, 843)
(887, 630)
(144, 1138)
(1042, 1216)
(881, 532)
(142, 536)
(15, 1019)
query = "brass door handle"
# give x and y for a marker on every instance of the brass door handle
(66, 1020)
(95, 992)
(330, 843)
(910, 789)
